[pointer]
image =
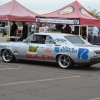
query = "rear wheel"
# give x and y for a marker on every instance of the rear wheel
(7, 56)
(65, 61)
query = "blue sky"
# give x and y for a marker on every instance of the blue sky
(46, 6)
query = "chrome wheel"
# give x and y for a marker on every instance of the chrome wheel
(64, 61)
(7, 56)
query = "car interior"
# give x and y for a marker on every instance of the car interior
(42, 39)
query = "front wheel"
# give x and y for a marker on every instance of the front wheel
(7, 56)
(65, 61)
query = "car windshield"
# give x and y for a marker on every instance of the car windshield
(74, 39)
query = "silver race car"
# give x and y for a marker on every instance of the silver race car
(65, 49)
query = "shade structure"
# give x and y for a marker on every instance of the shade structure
(75, 13)
(14, 11)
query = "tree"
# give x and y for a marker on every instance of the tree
(19, 24)
(94, 12)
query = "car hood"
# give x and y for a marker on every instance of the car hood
(92, 47)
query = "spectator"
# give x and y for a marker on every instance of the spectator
(84, 35)
(3, 33)
(73, 32)
(95, 32)
(67, 29)
(59, 28)
(90, 37)
(32, 29)
(37, 27)
(25, 31)
(13, 30)
(45, 28)
(20, 35)
(43, 39)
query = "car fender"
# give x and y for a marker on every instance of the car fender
(8, 47)
(67, 54)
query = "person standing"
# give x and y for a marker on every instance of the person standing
(25, 31)
(3, 32)
(13, 30)
(95, 32)
(32, 29)
(45, 28)
(84, 35)
(67, 29)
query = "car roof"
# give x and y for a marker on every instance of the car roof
(55, 34)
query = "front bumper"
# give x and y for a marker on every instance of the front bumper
(95, 60)
(0, 53)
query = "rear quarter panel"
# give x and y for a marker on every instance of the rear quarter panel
(78, 55)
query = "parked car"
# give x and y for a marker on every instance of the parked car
(66, 50)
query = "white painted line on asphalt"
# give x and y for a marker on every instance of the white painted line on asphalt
(95, 99)
(39, 80)
(11, 68)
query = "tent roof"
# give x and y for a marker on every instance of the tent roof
(74, 10)
(14, 11)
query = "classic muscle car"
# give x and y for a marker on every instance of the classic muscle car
(65, 49)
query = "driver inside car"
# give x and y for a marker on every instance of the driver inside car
(43, 39)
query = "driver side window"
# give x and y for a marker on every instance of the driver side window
(35, 39)
(40, 39)
(49, 40)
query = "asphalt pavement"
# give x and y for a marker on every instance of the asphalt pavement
(28, 80)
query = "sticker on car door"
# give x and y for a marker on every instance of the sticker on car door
(32, 49)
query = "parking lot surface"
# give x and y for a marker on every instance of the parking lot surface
(27, 80)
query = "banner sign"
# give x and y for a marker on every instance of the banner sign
(58, 20)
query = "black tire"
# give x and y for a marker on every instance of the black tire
(65, 61)
(7, 56)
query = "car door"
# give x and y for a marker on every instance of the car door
(46, 50)
(31, 48)
(27, 49)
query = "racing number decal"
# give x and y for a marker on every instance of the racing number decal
(83, 53)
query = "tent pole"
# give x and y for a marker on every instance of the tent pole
(35, 28)
(87, 33)
(8, 30)
(79, 31)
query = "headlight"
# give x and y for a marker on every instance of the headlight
(95, 53)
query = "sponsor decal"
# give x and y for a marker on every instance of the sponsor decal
(15, 52)
(59, 20)
(57, 49)
(85, 13)
(33, 49)
(47, 50)
(76, 21)
(3, 46)
(59, 40)
(67, 10)
(65, 49)
(43, 57)
(83, 53)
